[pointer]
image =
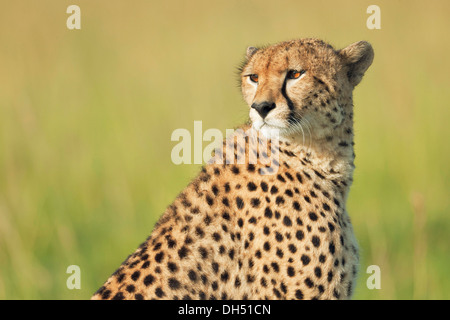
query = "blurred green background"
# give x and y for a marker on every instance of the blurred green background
(86, 118)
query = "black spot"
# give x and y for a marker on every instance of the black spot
(268, 213)
(299, 177)
(277, 292)
(135, 275)
(318, 272)
(292, 248)
(192, 276)
(289, 176)
(305, 259)
(264, 282)
(315, 241)
(332, 248)
(171, 243)
(290, 271)
(312, 216)
(226, 216)
(309, 283)
(266, 246)
(209, 200)
(240, 222)
(280, 177)
(182, 253)
(300, 235)
(188, 240)
(336, 202)
(326, 207)
(139, 296)
(148, 280)
(275, 266)
(307, 175)
(297, 206)
(331, 226)
(216, 236)
(215, 267)
(319, 175)
(330, 276)
(231, 254)
(273, 190)
(299, 294)
(118, 296)
(279, 200)
(239, 202)
(336, 294)
(159, 292)
(227, 187)
(120, 277)
(174, 284)
(251, 186)
(255, 202)
(264, 186)
(287, 221)
(224, 276)
(289, 193)
(235, 170)
(106, 294)
(279, 237)
(252, 220)
(172, 267)
(280, 253)
(277, 215)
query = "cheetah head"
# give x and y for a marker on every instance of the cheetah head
(302, 85)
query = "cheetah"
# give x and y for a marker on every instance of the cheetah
(249, 230)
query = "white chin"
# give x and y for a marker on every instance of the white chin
(268, 131)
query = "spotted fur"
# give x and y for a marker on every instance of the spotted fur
(246, 230)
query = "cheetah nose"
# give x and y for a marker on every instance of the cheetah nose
(263, 108)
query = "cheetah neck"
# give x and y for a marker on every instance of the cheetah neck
(332, 155)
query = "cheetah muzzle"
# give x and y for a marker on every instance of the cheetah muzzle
(246, 230)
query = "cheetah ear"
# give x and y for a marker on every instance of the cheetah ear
(358, 57)
(251, 51)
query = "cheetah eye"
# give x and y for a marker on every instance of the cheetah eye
(295, 74)
(254, 78)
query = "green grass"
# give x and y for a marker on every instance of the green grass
(86, 118)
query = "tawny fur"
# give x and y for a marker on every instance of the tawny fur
(256, 231)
